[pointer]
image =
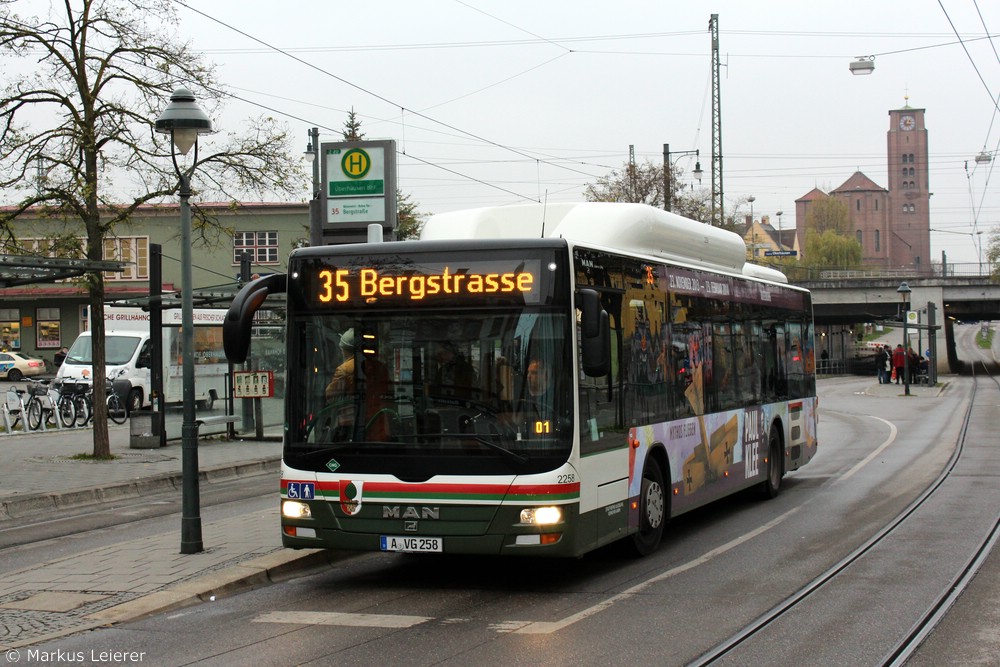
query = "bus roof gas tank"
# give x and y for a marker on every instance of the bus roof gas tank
(636, 227)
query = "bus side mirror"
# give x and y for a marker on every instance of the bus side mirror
(595, 339)
(236, 325)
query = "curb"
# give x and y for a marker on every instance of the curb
(239, 578)
(18, 506)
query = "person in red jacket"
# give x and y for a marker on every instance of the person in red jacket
(899, 362)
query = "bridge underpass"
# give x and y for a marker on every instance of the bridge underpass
(841, 305)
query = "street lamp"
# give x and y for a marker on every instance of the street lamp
(184, 120)
(781, 246)
(864, 65)
(904, 292)
(315, 213)
(667, 168)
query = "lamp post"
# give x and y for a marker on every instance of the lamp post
(315, 214)
(904, 291)
(979, 238)
(184, 120)
(668, 189)
(781, 246)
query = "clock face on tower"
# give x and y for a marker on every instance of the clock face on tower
(907, 123)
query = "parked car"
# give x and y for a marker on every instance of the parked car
(16, 366)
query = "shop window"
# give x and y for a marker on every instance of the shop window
(10, 329)
(48, 329)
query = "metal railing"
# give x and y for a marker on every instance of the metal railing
(797, 273)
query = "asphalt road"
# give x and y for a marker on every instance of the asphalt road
(720, 568)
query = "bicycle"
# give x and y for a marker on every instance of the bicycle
(117, 407)
(64, 402)
(39, 408)
(77, 393)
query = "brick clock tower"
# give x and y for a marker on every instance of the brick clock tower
(909, 242)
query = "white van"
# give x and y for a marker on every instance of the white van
(128, 356)
(125, 352)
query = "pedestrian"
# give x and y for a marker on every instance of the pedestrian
(881, 362)
(899, 362)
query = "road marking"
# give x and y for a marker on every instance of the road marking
(878, 450)
(548, 627)
(510, 626)
(340, 618)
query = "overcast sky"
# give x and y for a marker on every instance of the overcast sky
(495, 103)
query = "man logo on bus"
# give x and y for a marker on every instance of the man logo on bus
(350, 497)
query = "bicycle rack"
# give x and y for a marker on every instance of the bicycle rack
(13, 403)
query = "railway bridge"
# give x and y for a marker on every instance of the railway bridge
(843, 300)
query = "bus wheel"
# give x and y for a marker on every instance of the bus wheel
(771, 486)
(652, 510)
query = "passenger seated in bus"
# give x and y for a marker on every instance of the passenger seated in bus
(352, 386)
(455, 375)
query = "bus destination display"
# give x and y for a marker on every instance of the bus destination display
(456, 281)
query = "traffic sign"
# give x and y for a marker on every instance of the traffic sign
(358, 188)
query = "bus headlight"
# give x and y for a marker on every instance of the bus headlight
(541, 516)
(293, 509)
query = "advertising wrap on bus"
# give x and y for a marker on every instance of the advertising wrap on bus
(128, 355)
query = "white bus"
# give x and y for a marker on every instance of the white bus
(533, 380)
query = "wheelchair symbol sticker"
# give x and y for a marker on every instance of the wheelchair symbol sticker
(301, 490)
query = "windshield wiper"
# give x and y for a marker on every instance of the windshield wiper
(475, 437)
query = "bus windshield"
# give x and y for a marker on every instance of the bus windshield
(416, 394)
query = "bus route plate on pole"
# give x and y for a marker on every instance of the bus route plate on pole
(253, 384)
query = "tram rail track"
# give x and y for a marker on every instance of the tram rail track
(941, 603)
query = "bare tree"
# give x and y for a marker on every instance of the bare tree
(643, 184)
(96, 74)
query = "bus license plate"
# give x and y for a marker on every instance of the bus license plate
(412, 544)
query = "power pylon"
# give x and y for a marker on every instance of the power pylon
(718, 213)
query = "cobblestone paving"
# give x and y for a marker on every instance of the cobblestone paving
(19, 624)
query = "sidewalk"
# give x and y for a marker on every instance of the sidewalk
(133, 578)
(916, 390)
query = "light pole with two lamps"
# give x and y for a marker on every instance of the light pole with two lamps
(904, 292)
(184, 120)
(668, 189)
